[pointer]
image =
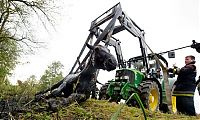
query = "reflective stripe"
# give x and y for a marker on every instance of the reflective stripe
(190, 95)
(183, 92)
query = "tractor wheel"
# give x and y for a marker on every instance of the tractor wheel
(150, 95)
(103, 92)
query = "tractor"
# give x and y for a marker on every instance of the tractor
(133, 79)
(145, 75)
(148, 85)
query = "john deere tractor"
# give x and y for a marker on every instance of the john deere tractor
(142, 74)
(149, 83)
(134, 79)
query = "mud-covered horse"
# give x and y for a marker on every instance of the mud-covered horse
(77, 87)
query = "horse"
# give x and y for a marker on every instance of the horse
(77, 87)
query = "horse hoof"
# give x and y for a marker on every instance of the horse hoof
(52, 105)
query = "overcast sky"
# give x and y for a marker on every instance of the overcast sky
(168, 24)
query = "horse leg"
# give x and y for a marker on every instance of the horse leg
(67, 87)
(93, 89)
(56, 103)
(56, 98)
(57, 92)
(74, 97)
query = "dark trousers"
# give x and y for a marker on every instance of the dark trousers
(185, 105)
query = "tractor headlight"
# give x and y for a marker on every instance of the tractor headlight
(124, 77)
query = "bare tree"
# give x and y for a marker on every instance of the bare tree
(16, 32)
(15, 17)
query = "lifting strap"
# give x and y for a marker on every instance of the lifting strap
(166, 81)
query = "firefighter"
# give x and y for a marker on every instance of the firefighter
(185, 86)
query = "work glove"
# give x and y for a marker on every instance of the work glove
(170, 70)
(174, 70)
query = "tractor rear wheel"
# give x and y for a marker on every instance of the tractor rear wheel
(150, 95)
(103, 92)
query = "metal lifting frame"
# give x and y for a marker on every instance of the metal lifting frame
(106, 35)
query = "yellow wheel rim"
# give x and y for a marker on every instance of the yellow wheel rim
(153, 100)
(174, 110)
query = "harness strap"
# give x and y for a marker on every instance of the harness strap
(75, 84)
(166, 81)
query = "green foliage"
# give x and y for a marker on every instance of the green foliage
(31, 86)
(28, 87)
(101, 110)
(16, 30)
(52, 75)
(6, 89)
(137, 98)
(25, 89)
(8, 57)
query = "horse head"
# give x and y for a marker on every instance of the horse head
(102, 58)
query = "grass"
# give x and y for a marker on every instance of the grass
(101, 110)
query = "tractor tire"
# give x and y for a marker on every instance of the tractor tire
(150, 95)
(103, 92)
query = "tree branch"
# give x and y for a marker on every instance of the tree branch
(5, 18)
(22, 1)
(2, 15)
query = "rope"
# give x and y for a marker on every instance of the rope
(166, 81)
(165, 73)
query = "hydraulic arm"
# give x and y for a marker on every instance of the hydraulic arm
(105, 35)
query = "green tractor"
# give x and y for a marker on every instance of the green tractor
(142, 74)
(147, 80)
(134, 79)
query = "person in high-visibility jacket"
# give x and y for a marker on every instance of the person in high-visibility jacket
(185, 86)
